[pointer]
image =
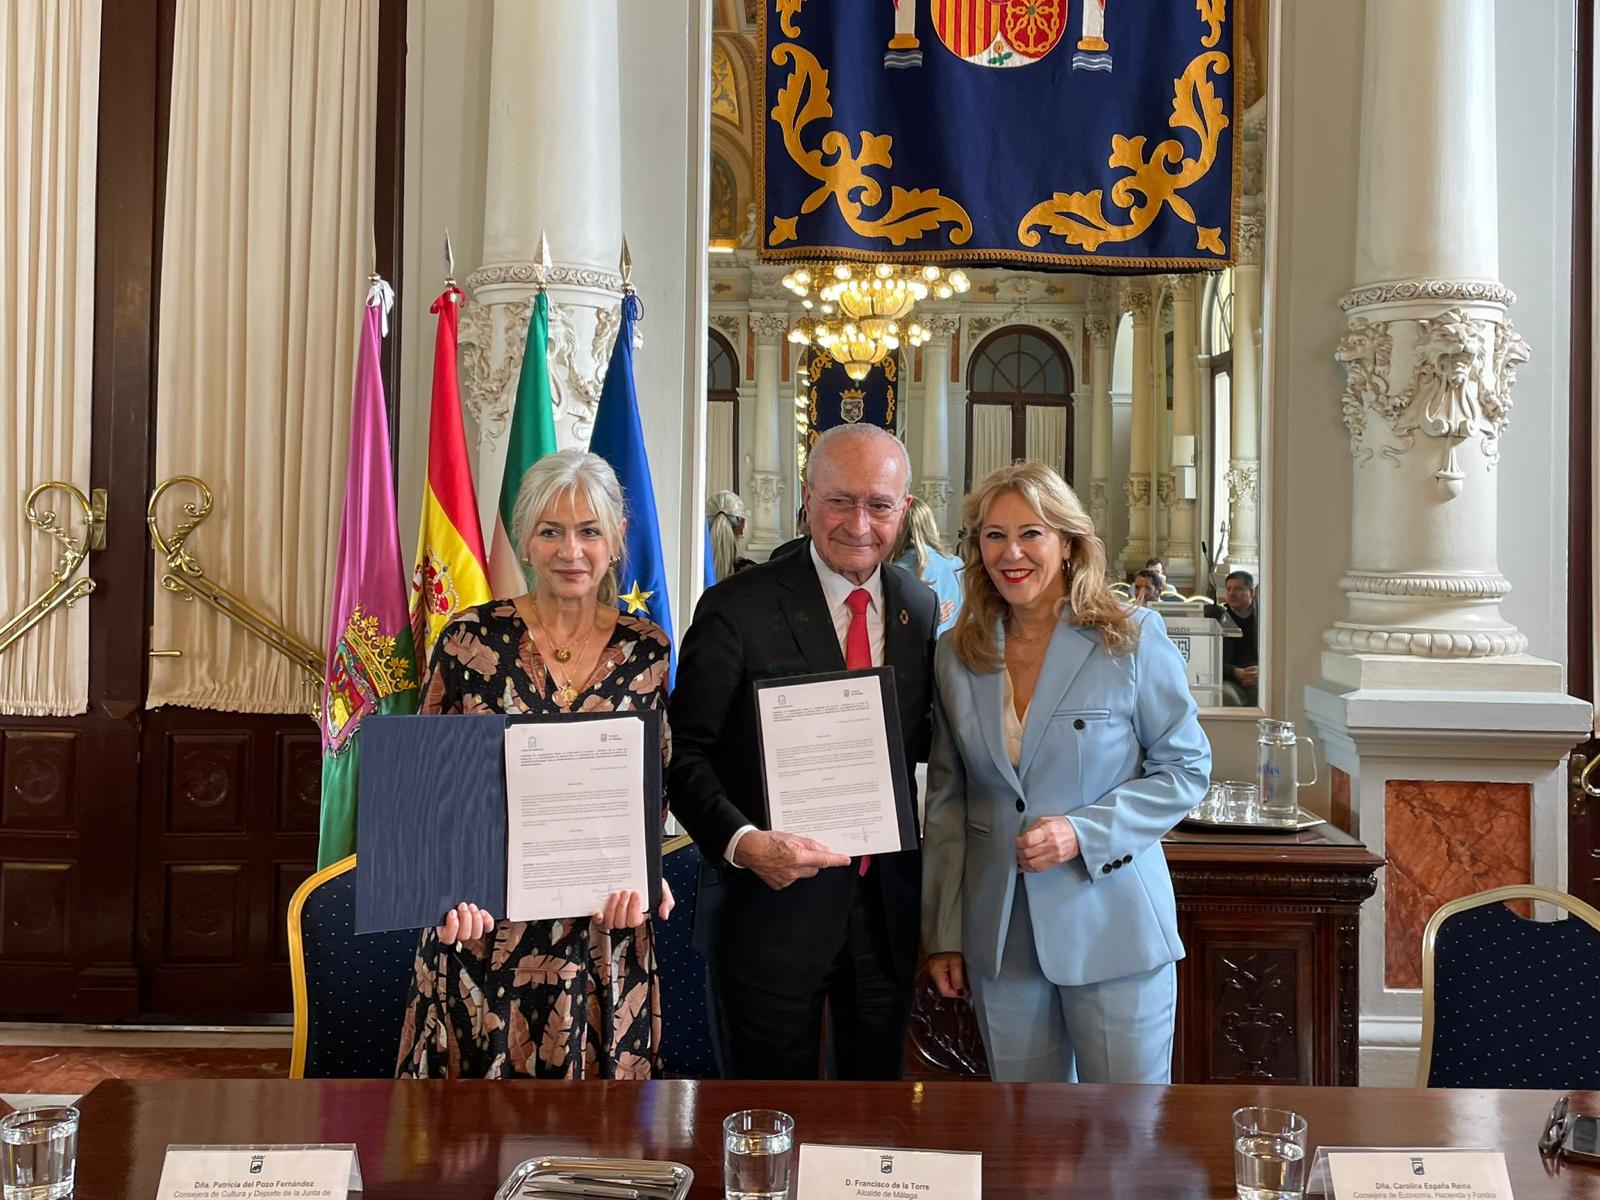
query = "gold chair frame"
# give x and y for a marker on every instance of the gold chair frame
(297, 962)
(1571, 905)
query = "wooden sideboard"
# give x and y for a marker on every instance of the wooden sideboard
(1270, 989)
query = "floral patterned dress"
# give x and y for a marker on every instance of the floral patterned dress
(543, 999)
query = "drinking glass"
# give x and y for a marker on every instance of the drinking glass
(757, 1145)
(39, 1153)
(1242, 803)
(1269, 1154)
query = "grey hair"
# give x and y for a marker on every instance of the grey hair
(831, 440)
(575, 473)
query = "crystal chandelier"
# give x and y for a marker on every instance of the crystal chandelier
(858, 314)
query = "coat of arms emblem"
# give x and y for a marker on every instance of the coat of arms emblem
(852, 404)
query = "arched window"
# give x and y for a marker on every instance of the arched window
(722, 416)
(1019, 403)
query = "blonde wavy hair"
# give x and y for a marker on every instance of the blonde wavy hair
(1089, 604)
(919, 532)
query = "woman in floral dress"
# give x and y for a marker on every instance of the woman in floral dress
(578, 997)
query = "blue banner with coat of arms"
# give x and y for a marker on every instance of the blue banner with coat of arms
(1067, 134)
(836, 399)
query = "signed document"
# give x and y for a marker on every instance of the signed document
(575, 790)
(833, 762)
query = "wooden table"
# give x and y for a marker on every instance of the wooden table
(450, 1140)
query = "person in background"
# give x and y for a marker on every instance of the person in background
(801, 538)
(920, 551)
(577, 997)
(1241, 656)
(1146, 587)
(1159, 569)
(1065, 744)
(725, 526)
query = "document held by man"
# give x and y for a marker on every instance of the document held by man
(574, 794)
(833, 763)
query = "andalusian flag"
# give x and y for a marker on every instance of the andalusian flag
(451, 571)
(371, 661)
(533, 435)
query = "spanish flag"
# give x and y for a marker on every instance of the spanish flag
(452, 570)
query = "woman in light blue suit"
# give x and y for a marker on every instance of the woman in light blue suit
(1065, 743)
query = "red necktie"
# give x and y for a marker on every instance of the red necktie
(858, 655)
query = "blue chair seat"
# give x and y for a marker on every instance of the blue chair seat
(349, 989)
(1510, 1002)
(685, 1027)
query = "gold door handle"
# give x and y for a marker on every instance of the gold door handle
(1581, 783)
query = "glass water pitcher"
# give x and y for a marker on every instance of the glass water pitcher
(1278, 781)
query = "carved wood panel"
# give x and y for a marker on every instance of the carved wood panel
(205, 782)
(1253, 1004)
(36, 900)
(38, 780)
(206, 916)
(229, 829)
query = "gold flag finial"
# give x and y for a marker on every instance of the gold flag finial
(626, 266)
(449, 260)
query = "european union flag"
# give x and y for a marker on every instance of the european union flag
(619, 439)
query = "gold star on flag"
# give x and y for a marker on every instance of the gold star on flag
(635, 600)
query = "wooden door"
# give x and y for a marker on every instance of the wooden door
(147, 857)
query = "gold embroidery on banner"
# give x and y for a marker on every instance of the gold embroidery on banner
(1212, 13)
(787, 11)
(803, 99)
(1080, 217)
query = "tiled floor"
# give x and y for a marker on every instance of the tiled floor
(58, 1064)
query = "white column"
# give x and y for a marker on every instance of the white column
(933, 445)
(1101, 328)
(1426, 693)
(1136, 300)
(1430, 356)
(1160, 434)
(765, 491)
(1244, 471)
(554, 84)
(1183, 548)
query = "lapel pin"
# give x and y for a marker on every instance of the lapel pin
(905, 617)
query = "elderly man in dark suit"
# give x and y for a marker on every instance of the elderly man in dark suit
(786, 924)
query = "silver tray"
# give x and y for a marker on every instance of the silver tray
(1306, 820)
(600, 1178)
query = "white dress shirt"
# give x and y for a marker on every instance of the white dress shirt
(836, 591)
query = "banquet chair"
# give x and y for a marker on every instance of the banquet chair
(1509, 1002)
(685, 1026)
(349, 988)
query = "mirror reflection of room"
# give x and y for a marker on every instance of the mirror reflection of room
(1143, 392)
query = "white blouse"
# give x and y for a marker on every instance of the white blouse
(1011, 724)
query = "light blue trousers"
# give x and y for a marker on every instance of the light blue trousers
(1035, 1031)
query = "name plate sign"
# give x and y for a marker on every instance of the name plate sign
(1418, 1175)
(309, 1172)
(864, 1173)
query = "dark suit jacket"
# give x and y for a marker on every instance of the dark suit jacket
(768, 622)
(792, 546)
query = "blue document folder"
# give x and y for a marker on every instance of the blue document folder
(431, 823)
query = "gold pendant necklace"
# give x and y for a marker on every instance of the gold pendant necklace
(566, 691)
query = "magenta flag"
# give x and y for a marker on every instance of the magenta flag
(371, 659)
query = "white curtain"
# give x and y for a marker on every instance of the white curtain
(268, 243)
(49, 90)
(991, 438)
(720, 449)
(1046, 432)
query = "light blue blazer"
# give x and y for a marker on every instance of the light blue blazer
(1114, 744)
